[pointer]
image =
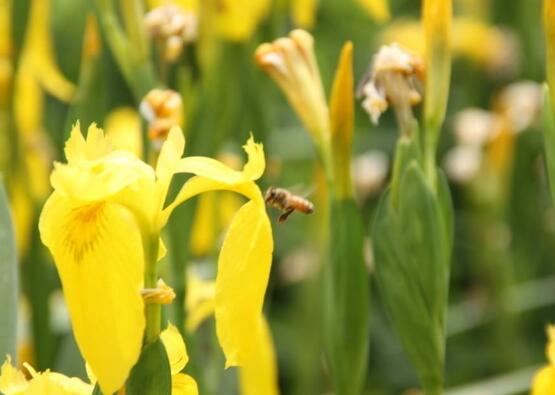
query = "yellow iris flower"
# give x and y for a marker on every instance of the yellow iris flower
(544, 381)
(102, 225)
(13, 382)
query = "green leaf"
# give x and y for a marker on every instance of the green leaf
(412, 247)
(151, 375)
(8, 279)
(549, 140)
(347, 300)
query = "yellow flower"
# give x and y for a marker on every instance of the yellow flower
(13, 382)
(182, 384)
(102, 224)
(123, 127)
(544, 380)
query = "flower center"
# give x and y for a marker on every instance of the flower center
(84, 229)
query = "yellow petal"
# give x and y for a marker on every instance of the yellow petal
(56, 383)
(254, 168)
(200, 301)
(245, 259)
(544, 381)
(169, 157)
(98, 252)
(28, 100)
(259, 373)
(377, 9)
(39, 47)
(123, 127)
(95, 172)
(12, 380)
(183, 384)
(341, 119)
(175, 348)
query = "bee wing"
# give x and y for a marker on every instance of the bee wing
(302, 190)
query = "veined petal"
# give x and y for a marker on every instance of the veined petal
(175, 348)
(259, 374)
(183, 384)
(12, 380)
(98, 252)
(245, 259)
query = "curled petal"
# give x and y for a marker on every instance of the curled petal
(98, 253)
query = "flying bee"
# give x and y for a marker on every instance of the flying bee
(287, 202)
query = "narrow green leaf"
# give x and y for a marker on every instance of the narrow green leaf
(347, 300)
(8, 279)
(151, 375)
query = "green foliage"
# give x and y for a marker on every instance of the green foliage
(412, 245)
(8, 279)
(347, 303)
(151, 375)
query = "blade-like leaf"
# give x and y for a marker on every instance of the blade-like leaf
(8, 279)
(549, 140)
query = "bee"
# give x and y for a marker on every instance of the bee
(287, 202)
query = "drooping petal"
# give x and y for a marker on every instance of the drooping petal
(98, 252)
(183, 384)
(12, 380)
(175, 348)
(259, 374)
(243, 272)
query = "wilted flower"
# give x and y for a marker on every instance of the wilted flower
(394, 79)
(520, 104)
(173, 26)
(463, 162)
